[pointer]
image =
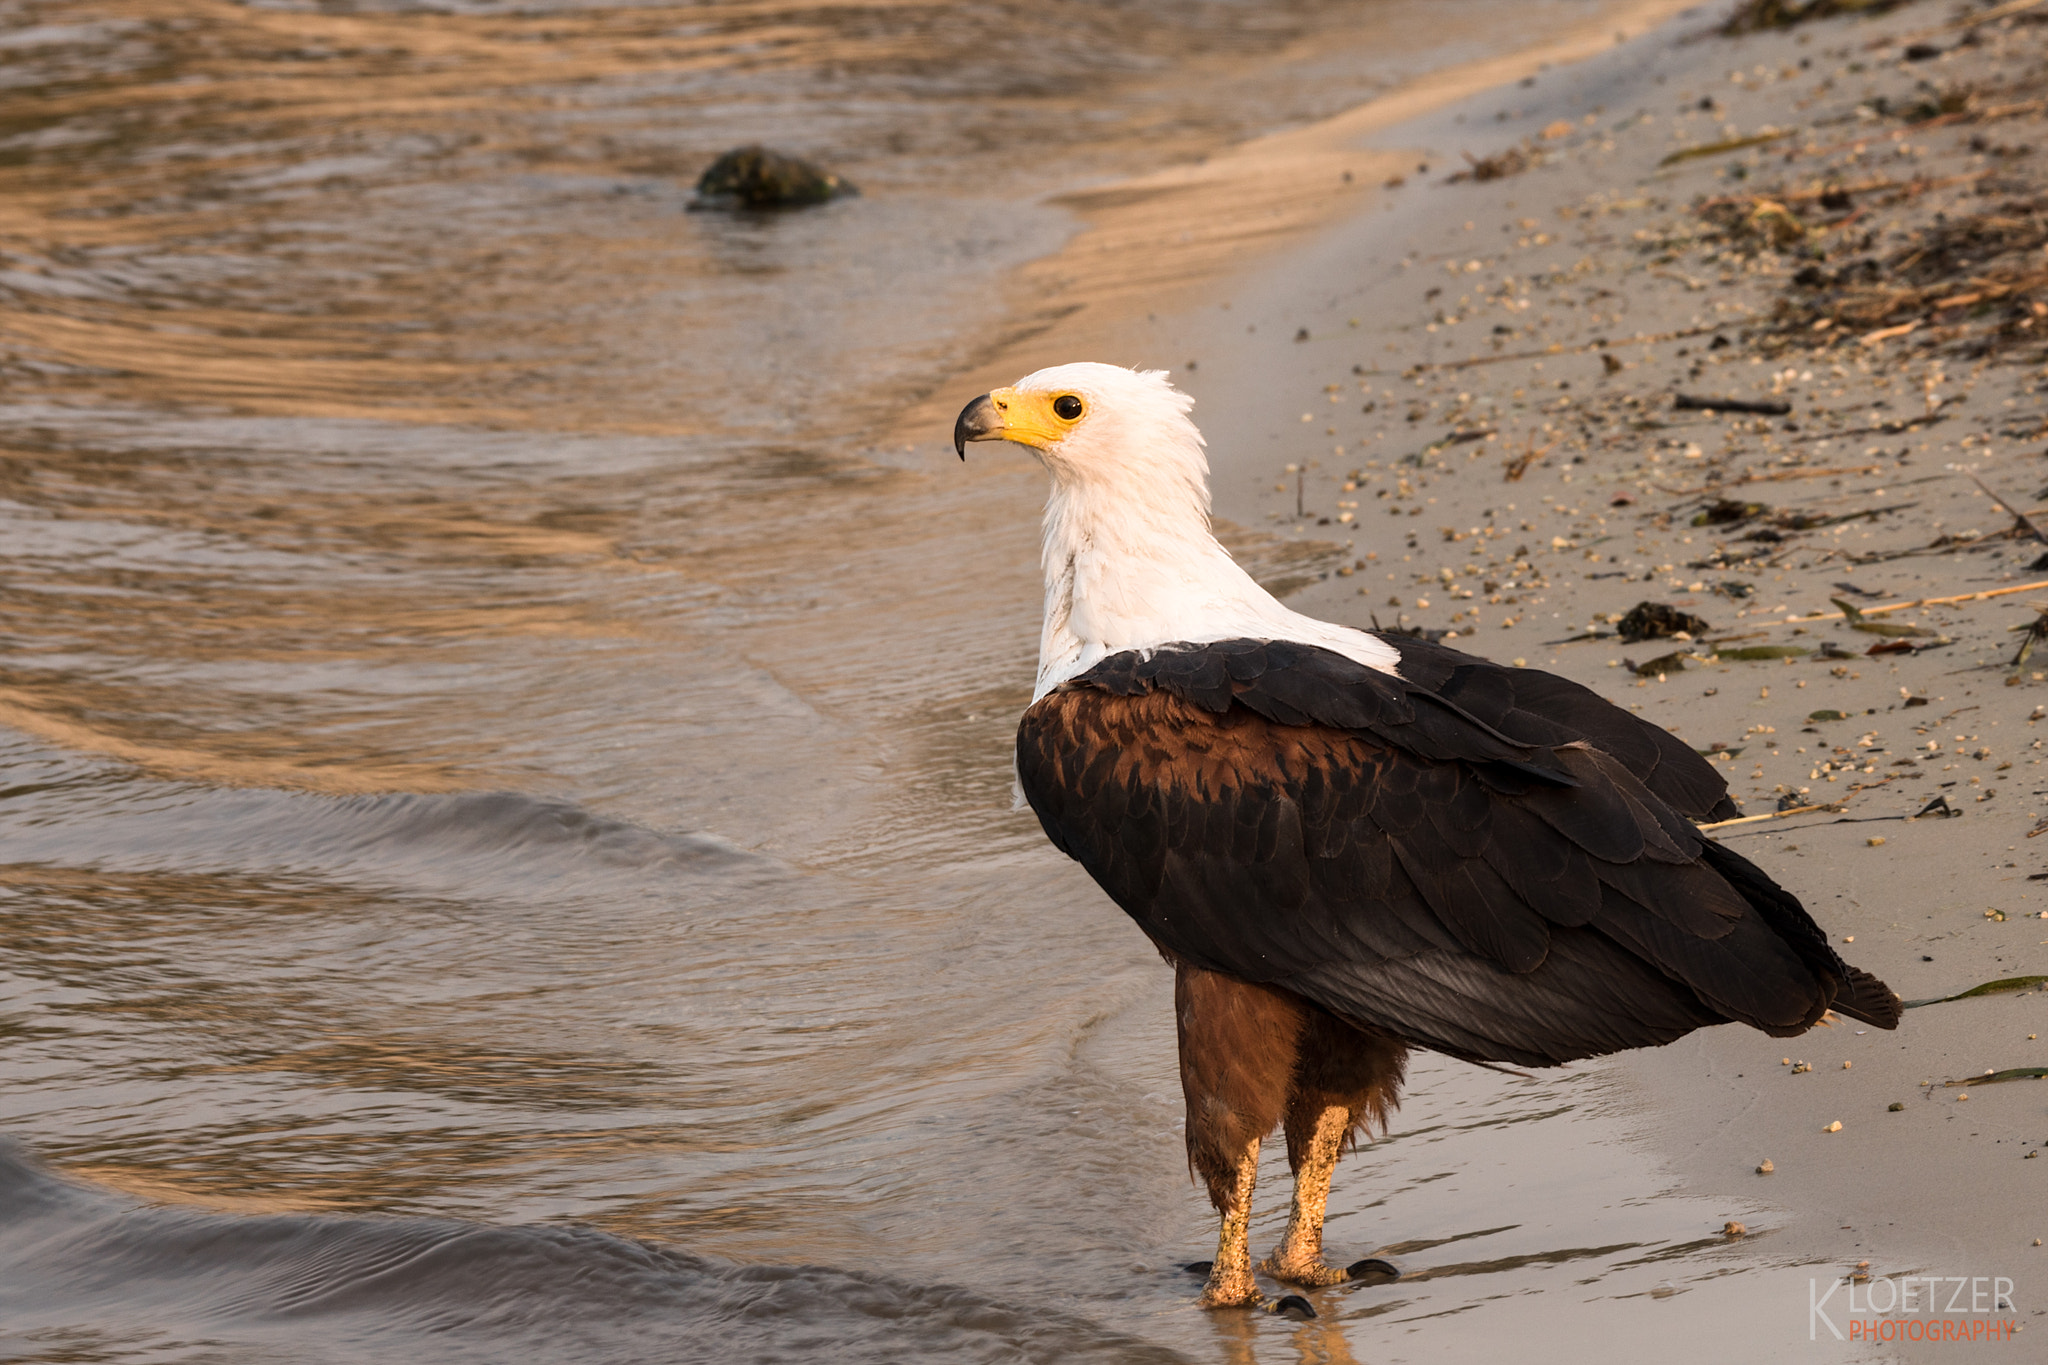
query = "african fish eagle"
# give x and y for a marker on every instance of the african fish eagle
(1349, 844)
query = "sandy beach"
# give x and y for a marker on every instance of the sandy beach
(1463, 402)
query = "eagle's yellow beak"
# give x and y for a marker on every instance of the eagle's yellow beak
(1029, 419)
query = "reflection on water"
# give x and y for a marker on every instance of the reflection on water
(497, 724)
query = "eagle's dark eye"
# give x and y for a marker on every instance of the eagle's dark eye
(1067, 406)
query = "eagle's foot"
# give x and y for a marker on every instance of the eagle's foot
(1231, 1290)
(1310, 1272)
(1315, 1273)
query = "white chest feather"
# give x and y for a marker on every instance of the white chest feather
(1106, 594)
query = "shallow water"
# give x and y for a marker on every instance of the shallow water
(505, 843)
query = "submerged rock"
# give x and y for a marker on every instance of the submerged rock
(757, 177)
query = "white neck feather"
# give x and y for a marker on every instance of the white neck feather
(1129, 559)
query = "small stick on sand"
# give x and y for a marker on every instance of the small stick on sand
(1921, 602)
(2019, 516)
(1773, 815)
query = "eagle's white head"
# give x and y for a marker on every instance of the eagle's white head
(1129, 559)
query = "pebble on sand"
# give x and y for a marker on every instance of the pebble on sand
(1765, 1167)
(1834, 1127)
(1733, 1229)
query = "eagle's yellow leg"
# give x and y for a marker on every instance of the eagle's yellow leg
(1299, 1257)
(1230, 1274)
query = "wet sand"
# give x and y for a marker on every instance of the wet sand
(1466, 392)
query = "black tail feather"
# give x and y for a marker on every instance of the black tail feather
(1863, 997)
(1857, 993)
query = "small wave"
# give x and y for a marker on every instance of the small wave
(420, 840)
(81, 1266)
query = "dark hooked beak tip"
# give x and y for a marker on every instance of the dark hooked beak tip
(978, 421)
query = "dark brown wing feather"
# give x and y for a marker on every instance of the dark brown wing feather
(1541, 708)
(1286, 816)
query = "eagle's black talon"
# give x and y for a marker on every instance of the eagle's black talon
(1383, 1272)
(1201, 1268)
(1293, 1303)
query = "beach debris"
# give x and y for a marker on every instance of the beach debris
(1853, 615)
(1827, 715)
(1994, 1077)
(1765, 1167)
(1874, 841)
(1693, 402)
(1733, 1229)
(1729, 512)
(1800, 1068)
(1780, 813)
(1733, 144)
(1412, 632)
(757, 177)
(1659, 666)
(2005, 986)
(1518, 464)
(1753, 15)
(1896, 1107)
(1754, 653)
(1499, 166)
(2021, 521)
(1971, 280)
(1776, 225)
(1834, 1127)
(2036, 631)
(1657, 621)
(1937, 809)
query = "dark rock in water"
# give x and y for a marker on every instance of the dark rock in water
(1656, 621)
(758, 178)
